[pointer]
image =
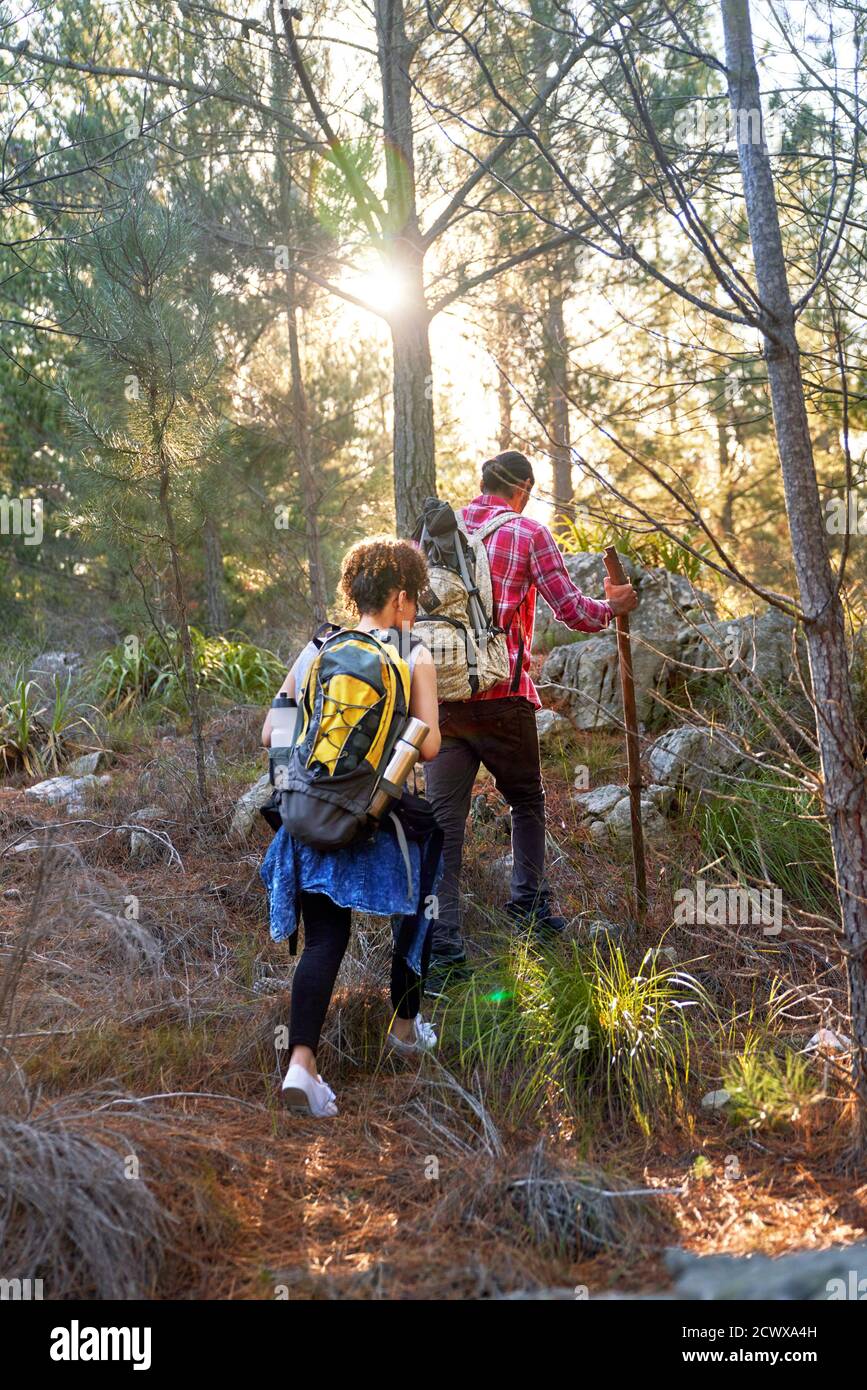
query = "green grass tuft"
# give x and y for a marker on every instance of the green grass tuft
(565, 1030)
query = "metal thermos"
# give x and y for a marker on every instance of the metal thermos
(403, 759)
(284, 712)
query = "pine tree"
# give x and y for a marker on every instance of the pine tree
(139, 404)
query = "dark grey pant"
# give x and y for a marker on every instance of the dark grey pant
(501, 735)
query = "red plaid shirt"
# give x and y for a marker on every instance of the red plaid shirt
(524, 557)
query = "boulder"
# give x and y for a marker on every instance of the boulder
(68, 791)
(662, 796)
(837, 1274)
(603, 932)
(694, 756)
(677, 641)
(87, 763)
(607, 814)
(586, 676)
(617, 825)
(563, 1295)
(552, 728)
(587, 570)
(586, 672)
(815, 1275)
(759, 648)
(715, 1100)
(600, 800)
(666, 601)
(246, 808)
(145, 848)
(826, 1040)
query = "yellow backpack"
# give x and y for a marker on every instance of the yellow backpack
(352, 708)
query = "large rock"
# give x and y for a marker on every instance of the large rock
(597, 803)
(677, 642)
(618, 822)
(759, 648)
(807, 1274)
(586, 676)
(587, 570)
(87, 763)
(66, 791)
(607, 814)
(666, 601)
(552, 728)
(603, 932)
(246, 808)
(815, 1276)
(695, 757)
(50, 665)
(691, 757)
(586, 673)
(145, 848)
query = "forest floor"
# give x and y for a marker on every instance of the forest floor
(160, 1043)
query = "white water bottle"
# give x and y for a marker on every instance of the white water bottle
(284, 712)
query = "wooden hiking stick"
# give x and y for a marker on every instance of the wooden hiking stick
(630, 719)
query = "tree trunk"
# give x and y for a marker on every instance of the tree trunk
(558, 392)
(301, 433)
(727, 494)
(502, 334)
(215, 600)
(845, 788)
(184, 630)
(414, 467)
(414, 449)
(504, 403)
(304, 457)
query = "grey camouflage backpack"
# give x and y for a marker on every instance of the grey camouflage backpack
(456, 610)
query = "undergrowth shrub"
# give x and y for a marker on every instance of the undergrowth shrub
(770, 1084)
(39, 730)
(151, 672)
(776, 834)
(654, 550)
(563, 1029)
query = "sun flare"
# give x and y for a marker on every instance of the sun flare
(382, 286)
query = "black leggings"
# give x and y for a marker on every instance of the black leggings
(326, 937)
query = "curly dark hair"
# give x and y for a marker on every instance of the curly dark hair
(373, 570)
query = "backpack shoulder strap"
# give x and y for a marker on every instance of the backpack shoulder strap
(403, 641)
(323, 632)
(492, 524)
(399, 647)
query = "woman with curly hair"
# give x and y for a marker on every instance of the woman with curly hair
(380, 584)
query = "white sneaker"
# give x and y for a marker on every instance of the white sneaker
(425, 1039)
(308, 1094)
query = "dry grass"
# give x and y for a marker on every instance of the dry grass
(153, 1036)
(75, 1212)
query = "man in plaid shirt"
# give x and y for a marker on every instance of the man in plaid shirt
(497, 728)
